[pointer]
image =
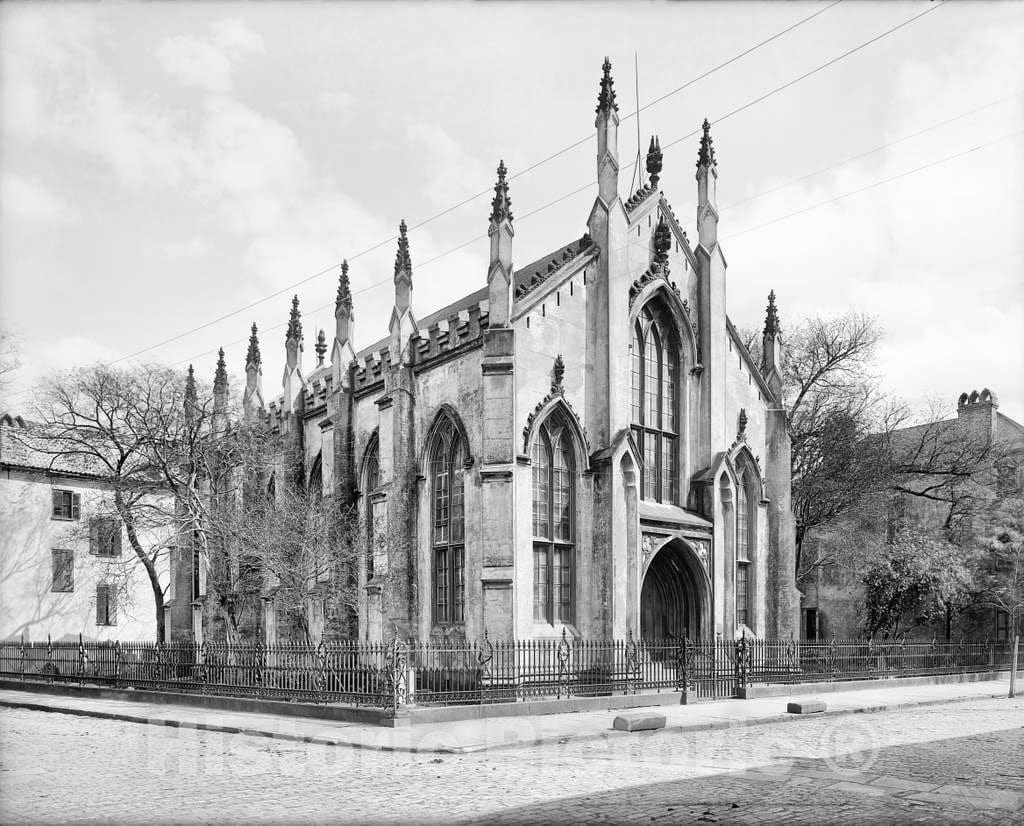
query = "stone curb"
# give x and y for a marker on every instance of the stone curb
(604, 734)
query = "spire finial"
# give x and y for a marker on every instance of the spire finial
(294, 322)
(606, 99)
(707, 150)
(501, 205)
(320, 347)
(252, 358)
(191, 397)
(220, 377)
(771, 319)
(402, 260)
(654, 158)
(662, 241)
(344, 298)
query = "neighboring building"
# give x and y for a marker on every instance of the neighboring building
(833, 599)
(65, 567)
(583, 444)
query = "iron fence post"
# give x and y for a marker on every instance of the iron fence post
(117, 663)
(82, 657)
(49, 660)
(742, 664)
(23, 655)
(562, 654)
(396, 664)
(319, 673)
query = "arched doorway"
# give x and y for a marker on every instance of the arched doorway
(673, 598)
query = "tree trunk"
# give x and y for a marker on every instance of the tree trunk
(1013, 667)
(128, 518)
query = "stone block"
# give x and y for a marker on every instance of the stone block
(806, 707)
(639, 721)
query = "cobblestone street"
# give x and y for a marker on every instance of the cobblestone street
(961, 762)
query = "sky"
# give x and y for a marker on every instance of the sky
(163, 166)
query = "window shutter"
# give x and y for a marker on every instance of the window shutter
(115, 528)
(111, 605)
(101, 595)
(58, 503)
(94, 536)
(76, 505)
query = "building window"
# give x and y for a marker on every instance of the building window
(372, 509)
(744, 544)
(105, 537)
(1007, 481)
(106, 605)
(63, 571)
(66, 505)
(316, 477)
(811, 624)
(655, 403)
(447, 459)
(1002, 626)
(553, 522)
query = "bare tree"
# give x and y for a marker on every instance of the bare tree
(9, 361)
(93, 420)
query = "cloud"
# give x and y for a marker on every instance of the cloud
(458, 174)
(209, 64)
(30, 200)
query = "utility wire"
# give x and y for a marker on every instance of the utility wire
(868, 152)
(725, 238)
(472, 198)
(876, 184)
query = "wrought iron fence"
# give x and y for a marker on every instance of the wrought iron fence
(455, 672)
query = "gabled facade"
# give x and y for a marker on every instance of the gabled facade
(582, 444)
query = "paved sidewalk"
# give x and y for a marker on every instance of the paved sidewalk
(467, 736)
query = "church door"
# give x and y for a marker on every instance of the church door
(668, 609)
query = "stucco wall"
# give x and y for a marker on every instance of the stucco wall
(27, 536)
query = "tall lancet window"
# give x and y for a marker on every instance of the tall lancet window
(373, 512)
(553, 522)
(655, 408)
(744, 543)
(447, 457)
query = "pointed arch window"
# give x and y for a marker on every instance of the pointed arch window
(448, 535)
(374, 509)
(554, 518)
(316, 477)
(744, 544)
(655, 403)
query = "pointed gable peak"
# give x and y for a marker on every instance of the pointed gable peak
(252, 358)
(402, 261)
(344, 299)
(706, 157)
(501, 205)
(606, 98)
(294, 332)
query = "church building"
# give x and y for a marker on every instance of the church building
(583, 444)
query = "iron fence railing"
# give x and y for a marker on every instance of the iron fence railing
(458, 672)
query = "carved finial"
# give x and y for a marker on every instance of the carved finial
(707, 151)
(294, 332)
(402, 261)
(344, 299)
(606, 99)
(191, 397)
(252, 358)
(557, 374)
(743, 422)
(320, 347)
(771, 319)
(662, 241)
(501, 206)
(654, 161)
(220, 377)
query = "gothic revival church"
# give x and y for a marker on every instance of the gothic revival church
(584, 443)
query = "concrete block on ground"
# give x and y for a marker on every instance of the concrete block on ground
(806, 707)
(639, 721)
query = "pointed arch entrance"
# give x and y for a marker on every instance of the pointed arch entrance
(675, 595)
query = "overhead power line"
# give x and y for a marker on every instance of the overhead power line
(725, 238)
(390, 239)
